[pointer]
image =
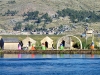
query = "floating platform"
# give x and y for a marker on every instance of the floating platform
(50, 51)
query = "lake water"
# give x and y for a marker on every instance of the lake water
(46, 64)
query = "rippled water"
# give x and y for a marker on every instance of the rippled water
(50, 65)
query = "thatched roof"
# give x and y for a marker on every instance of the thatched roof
(10, 40)
(48, 39)
(27, 39)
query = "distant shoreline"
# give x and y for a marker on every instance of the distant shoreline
(50, 52)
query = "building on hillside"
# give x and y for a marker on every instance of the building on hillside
(28, 42)
(10, 43)
(48, 42)
(88, 33)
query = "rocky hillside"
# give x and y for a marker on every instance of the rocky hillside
(19, 7)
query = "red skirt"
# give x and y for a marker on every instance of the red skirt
(32, 48)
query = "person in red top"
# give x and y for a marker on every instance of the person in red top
(92, 46)
(32, 48)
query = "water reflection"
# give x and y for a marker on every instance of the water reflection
(33, 55)
(19, 55)
(49, 56)
(1, 55)
(27, 55)
(92, 56)
(10, 56)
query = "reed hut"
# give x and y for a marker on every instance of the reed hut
(48, 42)
(66, 41)
(28, 42)
(88, 33)
(10, 43)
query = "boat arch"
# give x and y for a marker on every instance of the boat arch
(69, 39)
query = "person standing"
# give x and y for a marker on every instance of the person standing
(92, 46)
(43, 46)
(19, 46)
(61, 47)
(21, 43)
(32, 48)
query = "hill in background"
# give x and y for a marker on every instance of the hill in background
(19, 7)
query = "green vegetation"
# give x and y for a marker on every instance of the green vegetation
(46, 17)
(10, 13)
(77, 16)
(31, 15)
(18, 26)
(35, 16)
(11, 2)
(29, 27)
(74, 15)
